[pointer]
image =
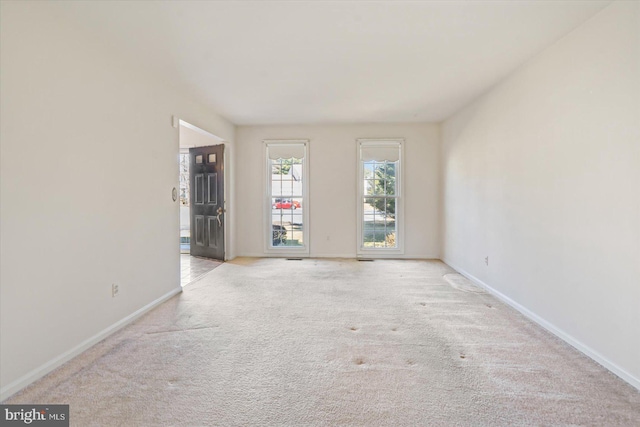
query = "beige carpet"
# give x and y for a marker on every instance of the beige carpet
(271, 342)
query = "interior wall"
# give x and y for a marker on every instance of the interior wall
(332, 193)
(542, 175)
(88, 162)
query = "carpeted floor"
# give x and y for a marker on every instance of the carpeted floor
(271, 342)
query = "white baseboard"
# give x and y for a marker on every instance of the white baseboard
(342, 256)
(294, 255)
(352, 255)
(588, 351)
(36, 374)
(274, 255)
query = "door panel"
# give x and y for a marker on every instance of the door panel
(207, 210)
(199, 187)
(199, 232)
(212, 188)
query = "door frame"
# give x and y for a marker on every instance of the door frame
(229, 249)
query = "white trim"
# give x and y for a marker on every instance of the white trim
(351, 256)
(398, 252)
(341, 256)
(396, 257)
(286, 251)
(227, 205)
(252, 255)
(578, 345)
(276, 255)
(36, 374)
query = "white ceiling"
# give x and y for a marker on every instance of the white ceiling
(333, 61)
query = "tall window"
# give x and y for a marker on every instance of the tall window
(380, 205)
(286, 205)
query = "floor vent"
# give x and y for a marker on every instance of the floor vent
(294, 259)
(365, 260)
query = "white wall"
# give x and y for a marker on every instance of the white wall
(542, 174)
(332, 190)
(88, 161)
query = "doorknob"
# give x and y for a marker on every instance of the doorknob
(220, 211)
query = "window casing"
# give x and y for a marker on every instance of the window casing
(380, 198)
(286, 205)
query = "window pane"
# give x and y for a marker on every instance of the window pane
(379, 225)
(368, 170)
(391, 179)
(368, 231)
(276, 177)
(390, 207)
(286, 177)
(385, 173)
(379, 180)
(378, 187)
(287, 212)
(389, 223)
(378, 234)
(369, 186)
(287, 230)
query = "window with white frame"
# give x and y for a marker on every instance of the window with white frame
(286, 202)
(380, 196)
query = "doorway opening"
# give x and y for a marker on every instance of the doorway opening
(202, 198)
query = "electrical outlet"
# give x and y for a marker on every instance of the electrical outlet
(114, 290)
(486, 260)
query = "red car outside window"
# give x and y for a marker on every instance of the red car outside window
(286, 204)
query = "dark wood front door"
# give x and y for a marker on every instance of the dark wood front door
(206, 175)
